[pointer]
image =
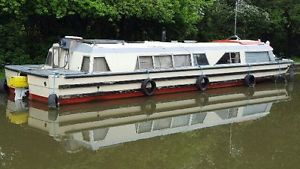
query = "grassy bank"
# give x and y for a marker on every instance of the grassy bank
(296, 59)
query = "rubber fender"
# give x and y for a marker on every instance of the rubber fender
(52, 101)
(202, 82)
(148, 87)
(250, 80)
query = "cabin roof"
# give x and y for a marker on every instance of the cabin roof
(150, 47)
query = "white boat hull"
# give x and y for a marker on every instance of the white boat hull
(80, 88)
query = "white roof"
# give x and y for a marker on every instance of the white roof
(173, 47)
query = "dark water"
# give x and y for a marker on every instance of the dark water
(223, 128)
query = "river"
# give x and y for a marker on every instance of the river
(222, 128)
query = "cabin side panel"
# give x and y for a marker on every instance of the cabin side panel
(119, 62)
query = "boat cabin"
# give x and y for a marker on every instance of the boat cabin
(103, 56)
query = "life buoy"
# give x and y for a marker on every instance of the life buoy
(202, 82)
(52, 101)
(250, 80)
(3, 86)
(148, 87)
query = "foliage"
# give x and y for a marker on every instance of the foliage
(1, 74)
(219, 21)
(284, 29)
(296, 59)
(29, 27)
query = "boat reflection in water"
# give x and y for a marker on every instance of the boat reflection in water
(101, 124)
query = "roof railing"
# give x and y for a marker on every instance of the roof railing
(103, 41)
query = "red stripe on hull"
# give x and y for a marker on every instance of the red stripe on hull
(38, 98)
(110, 96)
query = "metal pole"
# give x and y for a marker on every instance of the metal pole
(235, 16)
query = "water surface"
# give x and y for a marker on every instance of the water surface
(224, 128)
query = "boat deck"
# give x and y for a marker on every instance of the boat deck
(38, 70)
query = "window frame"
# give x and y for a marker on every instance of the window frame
(95, 58)
(267, 52)
(139, 62)
(195, 61)
(230, 58)
(89, 65)
(189, 57)
(162, 55)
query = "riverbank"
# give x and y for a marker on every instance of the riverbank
(296, 59)
(1, 74)
(297, 67)
(297, 63)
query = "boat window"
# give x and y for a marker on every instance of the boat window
(137, 64)
(227, 113)
(200, 59)
(86, 136)
(49, 60)
(182, 60)
(85, 67)
(100, 134)
(145, 62)
(162, 123)
(228, 58)
(255, 109)
(198, 118)
(144, 127)
(163, 61)
(180, 121)
(100, 65)
(254, 57)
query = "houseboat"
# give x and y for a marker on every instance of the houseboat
(81, 70)
(100, 124)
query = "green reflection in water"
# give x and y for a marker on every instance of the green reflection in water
(272, 141)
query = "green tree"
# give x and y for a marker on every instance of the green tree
(29, 27)
(283, 31)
